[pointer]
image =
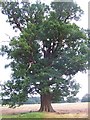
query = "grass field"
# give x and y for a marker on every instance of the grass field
(65, 110)
(26, 115)
(44, 115)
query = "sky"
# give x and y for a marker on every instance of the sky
(6, 31)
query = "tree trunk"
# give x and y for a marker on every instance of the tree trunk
(46, 103)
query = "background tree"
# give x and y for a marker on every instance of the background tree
(86, 98)
(46, 55)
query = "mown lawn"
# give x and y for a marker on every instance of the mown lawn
(25, 115)
(44, 115)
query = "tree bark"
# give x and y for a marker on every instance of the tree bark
(46, 103)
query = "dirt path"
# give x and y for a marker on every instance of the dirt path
(64, 108)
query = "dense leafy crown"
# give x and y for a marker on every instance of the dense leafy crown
(49, 51)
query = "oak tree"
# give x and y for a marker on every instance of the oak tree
(46, 55)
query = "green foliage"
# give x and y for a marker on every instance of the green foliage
(72, 99)
(19, 14)
(66, 12)
(64, 95)
(46, 55)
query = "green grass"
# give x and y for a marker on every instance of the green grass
(41, 115)
(26, 115)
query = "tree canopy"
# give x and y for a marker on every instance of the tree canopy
(46, 55)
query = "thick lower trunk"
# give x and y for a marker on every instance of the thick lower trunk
(46, 103)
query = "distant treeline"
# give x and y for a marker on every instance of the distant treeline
(0, 101)
(36, 100)
(33, 100)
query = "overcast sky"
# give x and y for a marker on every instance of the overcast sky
(6, 29)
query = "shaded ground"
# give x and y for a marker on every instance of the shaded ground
(64, 108)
